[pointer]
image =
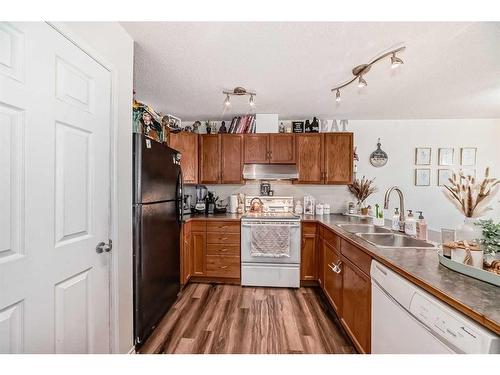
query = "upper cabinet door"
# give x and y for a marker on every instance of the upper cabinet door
(338, 158)
(309, 158)
(231, 158)
(187, 144)
(281, 148)
(209, 159)
(256, 148)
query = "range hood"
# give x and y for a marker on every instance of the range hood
(270, 172)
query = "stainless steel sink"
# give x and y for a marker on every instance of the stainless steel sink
(364, 228)
(395, 240)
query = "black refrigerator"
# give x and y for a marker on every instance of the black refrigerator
(157, 215)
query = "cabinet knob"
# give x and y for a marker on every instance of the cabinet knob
(223, 267)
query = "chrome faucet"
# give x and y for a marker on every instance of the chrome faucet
(401, 205)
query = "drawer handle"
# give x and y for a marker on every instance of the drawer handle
(223, 238)
(223, 227)
(223, 250)
(336, 267)
(223, 267)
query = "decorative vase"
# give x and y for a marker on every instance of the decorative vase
(469, 231)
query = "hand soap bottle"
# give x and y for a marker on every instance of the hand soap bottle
(410, 224)
(395, 220)
(421, 227)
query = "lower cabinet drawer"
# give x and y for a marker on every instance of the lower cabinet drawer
(223, 238)
(223, 226)
(223, 266)
(356, 256)
(223, 249)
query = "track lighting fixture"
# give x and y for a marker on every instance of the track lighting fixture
(361, 70)
(395, 61)
(251, 101)
(362, 83)
(239, 91)
(337, 96)
(227, 102)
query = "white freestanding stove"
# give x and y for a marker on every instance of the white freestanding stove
(270, 244)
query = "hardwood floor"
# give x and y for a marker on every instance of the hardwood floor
(218, 318)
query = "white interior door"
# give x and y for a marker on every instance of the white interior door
(54, 194)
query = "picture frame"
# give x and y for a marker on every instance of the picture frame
(446, 156)
(443, 176)
(423, 155)
(468, 156)
(422, 176)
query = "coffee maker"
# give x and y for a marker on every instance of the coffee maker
(201, 195)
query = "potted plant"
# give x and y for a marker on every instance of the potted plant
(362, 189)
(472, 198)
(491, 239)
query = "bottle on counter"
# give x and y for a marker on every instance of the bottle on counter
(351, 208)
(395, 220)
(319, 209)
(410, 224)
(326, 209)
(421, 227)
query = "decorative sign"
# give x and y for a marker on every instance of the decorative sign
(298, 126)
(378, 158)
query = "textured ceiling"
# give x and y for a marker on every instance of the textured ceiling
(451, 70)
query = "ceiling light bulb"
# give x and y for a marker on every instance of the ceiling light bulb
(362, 82)
(395, 61)
(227, 102)
(337, 96)
(251, 101)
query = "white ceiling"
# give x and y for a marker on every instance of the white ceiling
(451, 70)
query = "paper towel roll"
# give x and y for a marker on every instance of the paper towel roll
(233, 203)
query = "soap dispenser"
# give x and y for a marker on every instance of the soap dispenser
(410, 224)
(421, 227)
(395, 220)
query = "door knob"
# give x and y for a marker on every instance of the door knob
(104, 247)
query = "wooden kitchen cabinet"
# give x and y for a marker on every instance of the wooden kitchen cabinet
(281, 148)
(325, 158)
(256, 149)
(309, 149)
(269, 148)
(198, 245)
(332, 284)
(356, 305)
(308, 253)
(231, 149)
(209, 150)
(338, 158)
(186, 258)
(187, 144)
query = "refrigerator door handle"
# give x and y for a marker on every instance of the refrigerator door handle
(179, 196)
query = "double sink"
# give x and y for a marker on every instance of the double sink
(383, 237)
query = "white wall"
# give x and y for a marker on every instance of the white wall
(399, 139)
(116, 48)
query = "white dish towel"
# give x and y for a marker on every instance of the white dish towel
(270, 240)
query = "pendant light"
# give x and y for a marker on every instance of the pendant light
(227, 102)
(395, 61)
(362, 83)
(337, 96)
(239, 91)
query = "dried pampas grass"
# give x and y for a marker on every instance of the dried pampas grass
(471, 197)
(362, 188)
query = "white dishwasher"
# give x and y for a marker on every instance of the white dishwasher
(406, 319)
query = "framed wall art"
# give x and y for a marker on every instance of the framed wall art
(468, 156)
(445, 156)
(422, 177)
(443, 176)
(423, 156)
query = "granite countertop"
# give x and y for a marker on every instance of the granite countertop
(476, 299)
